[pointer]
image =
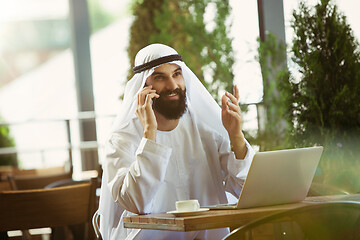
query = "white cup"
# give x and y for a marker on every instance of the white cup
(187, 205)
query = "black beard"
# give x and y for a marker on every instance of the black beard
(171, 109)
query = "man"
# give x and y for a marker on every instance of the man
(171, 141)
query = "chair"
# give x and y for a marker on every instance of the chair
(96, 225)
(5, 186)
(5, 171)
(39, 208)
(26, 182)
(320, 221)
(72, 230)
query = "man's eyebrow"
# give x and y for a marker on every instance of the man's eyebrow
(161, 73)
(157, 73)
(179, 68)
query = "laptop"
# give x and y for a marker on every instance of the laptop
(277, 177)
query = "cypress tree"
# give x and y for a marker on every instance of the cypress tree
(324, 104)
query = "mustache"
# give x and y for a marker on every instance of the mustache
(169, 92)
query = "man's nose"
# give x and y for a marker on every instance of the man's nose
(172, 84)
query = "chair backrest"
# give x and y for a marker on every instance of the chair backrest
(62, 206)
(5, 186)
(25, 182)
(330, 221)
(5, 171)
(39, 171)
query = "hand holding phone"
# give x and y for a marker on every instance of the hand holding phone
(145, 112)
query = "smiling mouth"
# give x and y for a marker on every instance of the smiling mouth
(172, 96)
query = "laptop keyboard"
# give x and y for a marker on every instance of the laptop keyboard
(220, 205)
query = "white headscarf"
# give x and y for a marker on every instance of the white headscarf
(199, 100)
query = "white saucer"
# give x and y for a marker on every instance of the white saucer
(182, 214)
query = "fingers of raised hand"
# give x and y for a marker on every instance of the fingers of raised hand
(236, 93)
(232, 98)
(233, 107)
(233, 103)
(235, 114)
(233, 111)
(230, 106)
(224, 101)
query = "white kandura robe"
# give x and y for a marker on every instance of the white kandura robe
(189, 162)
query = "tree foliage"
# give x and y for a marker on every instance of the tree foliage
(6, 141)
(326, 100)
(272, 59)
(99, 17)
(180, 24)
(324, 104)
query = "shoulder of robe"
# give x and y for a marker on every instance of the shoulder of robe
(132, 131)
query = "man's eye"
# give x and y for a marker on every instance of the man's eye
(177, 74)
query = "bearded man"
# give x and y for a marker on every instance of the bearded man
(171, 141)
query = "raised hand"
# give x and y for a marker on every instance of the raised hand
(232, 121)
(145, 112)
(231, 113)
